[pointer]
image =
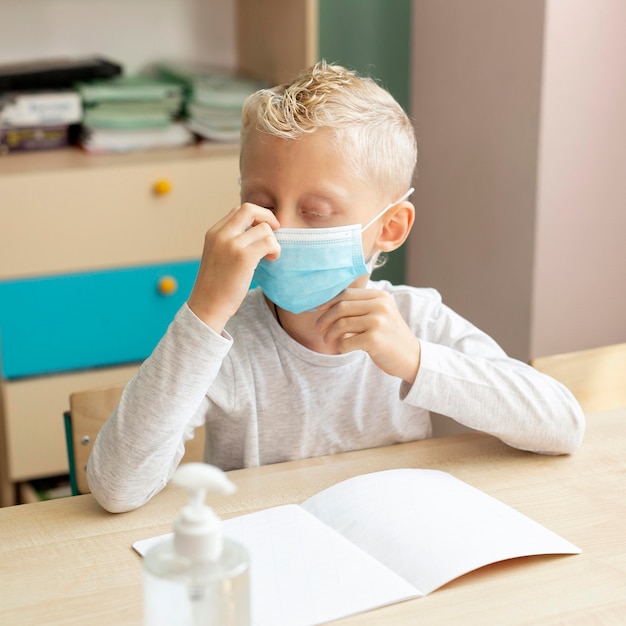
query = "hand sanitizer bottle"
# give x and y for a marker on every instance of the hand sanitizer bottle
(197, 578)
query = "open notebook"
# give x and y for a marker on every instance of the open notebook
(373, 540)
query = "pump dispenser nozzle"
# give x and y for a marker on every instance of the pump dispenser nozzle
(197, 577)
(197, 530)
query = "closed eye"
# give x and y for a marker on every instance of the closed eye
(314, 214)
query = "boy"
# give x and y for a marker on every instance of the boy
(317, 359)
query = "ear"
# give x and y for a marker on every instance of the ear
(397, 224)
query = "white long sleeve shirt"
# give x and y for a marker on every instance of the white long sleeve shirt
(265, 398)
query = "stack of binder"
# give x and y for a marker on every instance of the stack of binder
(38, 120)
(214, 98)
(39, 109)
(132, 113)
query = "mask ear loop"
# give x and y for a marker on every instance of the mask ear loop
(404, 197)
(369, 264)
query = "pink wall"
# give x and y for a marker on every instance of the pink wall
(475, 100)
(580, 257)
(520, 110)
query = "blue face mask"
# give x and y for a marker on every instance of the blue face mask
(315, 264)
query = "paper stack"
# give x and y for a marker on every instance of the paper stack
(39, 109)
(132, 113)
(215, 98)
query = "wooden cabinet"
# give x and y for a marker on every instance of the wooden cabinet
(91, 246)
(96, 256)
(69, 211)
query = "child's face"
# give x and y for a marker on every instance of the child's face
(307, 184)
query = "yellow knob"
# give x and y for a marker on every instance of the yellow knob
(167, 285)
(162, 187)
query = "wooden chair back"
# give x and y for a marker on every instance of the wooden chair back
(89, 410)
(596, 377)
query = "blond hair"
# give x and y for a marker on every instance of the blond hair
(370, 128)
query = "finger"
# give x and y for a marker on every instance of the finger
(351, 342)
(242, 228)
(349, 294)
(261, 242)
(340, 332)
(246, 216)
(346, 308)
(261, 215)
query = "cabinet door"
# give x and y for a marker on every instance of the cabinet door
(96, 217)
(34, 419)
(95, 319)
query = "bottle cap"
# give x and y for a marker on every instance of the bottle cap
(197, 530)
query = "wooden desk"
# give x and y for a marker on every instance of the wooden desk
(68, 562)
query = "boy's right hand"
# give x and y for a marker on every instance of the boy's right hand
(233, 248)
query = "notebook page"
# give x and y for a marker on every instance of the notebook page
(302, 572)
(305, 573)
(429, 526)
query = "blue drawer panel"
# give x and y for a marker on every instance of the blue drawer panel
(78, 321)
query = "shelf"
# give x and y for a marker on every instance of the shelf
(74, 158)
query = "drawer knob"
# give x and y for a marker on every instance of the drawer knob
(162, 187)
(167, 286)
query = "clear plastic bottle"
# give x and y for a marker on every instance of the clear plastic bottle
(197, 578)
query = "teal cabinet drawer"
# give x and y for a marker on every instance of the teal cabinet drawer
(95, 319)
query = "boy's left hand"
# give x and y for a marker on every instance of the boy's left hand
(367, 319)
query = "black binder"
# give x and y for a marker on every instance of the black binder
(57, 73)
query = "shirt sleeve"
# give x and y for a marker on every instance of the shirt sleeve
(140, 445)
(465, 375)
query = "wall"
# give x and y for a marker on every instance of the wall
(521, 119)
(133, 32)
(579, 293)
(475, 100)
